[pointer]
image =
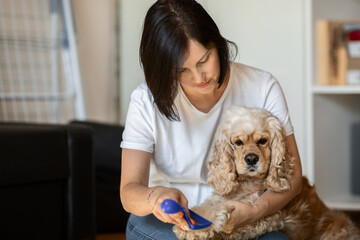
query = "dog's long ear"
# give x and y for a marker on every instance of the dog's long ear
(222, 170)
(281, 166)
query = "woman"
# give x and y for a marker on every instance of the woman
(172, 119)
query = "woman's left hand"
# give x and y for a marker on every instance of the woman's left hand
(242, 215)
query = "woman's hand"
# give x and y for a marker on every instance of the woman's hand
(158, 195)
(140, 200)
(242, 215)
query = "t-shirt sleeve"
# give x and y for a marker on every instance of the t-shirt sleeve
(138, 133)
(275, 103)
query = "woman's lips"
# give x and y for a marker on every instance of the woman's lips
(203, 85)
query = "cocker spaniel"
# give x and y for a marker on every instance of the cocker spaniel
(250, 157)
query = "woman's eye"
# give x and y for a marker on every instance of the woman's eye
(205, 60)
(239, 142)
(180, 71)
(262, 141)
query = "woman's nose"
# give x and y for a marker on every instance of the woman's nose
(199, 76)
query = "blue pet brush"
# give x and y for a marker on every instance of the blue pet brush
(170, 206)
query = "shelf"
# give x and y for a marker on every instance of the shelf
(344, 203)
(332, 109)
(336, 89)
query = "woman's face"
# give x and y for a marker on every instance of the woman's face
(201, 70)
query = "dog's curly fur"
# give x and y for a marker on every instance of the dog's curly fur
(250, 156)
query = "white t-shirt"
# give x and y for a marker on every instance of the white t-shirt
(181, 150)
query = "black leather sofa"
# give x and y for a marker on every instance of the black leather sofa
(110, 215)
(60, 181)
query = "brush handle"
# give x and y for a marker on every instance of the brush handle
(170, 206)
(195, 221)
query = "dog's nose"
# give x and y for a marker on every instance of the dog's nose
(251, 159)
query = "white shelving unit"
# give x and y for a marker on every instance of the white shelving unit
(331, 111)
(340, 90)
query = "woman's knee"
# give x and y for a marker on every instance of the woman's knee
(148, 228)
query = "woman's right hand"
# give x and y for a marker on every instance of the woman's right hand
(140, 200)
(157, 195)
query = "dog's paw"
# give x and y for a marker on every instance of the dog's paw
(180, 233)
(220, 216)
(200, 234)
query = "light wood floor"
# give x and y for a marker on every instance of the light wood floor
(111, 236)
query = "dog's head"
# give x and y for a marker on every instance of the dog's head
(249, 145)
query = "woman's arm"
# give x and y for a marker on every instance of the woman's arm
(270, 202)
(137, 197)
(135, 167)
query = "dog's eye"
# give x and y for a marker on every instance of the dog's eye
(262, 141)
(239, 142)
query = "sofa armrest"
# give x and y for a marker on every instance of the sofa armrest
(46, 182)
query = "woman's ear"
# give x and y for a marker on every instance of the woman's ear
(281, 166)
(222, 170)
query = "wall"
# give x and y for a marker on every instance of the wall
(269, 34)
(95, 25)
(132, 14)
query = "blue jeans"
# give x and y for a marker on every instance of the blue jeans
(150, 228)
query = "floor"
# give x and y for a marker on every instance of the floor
(111, 236)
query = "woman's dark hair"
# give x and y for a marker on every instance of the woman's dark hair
(168, 27)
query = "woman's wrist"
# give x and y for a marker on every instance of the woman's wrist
(149, 198)
(258, 211)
